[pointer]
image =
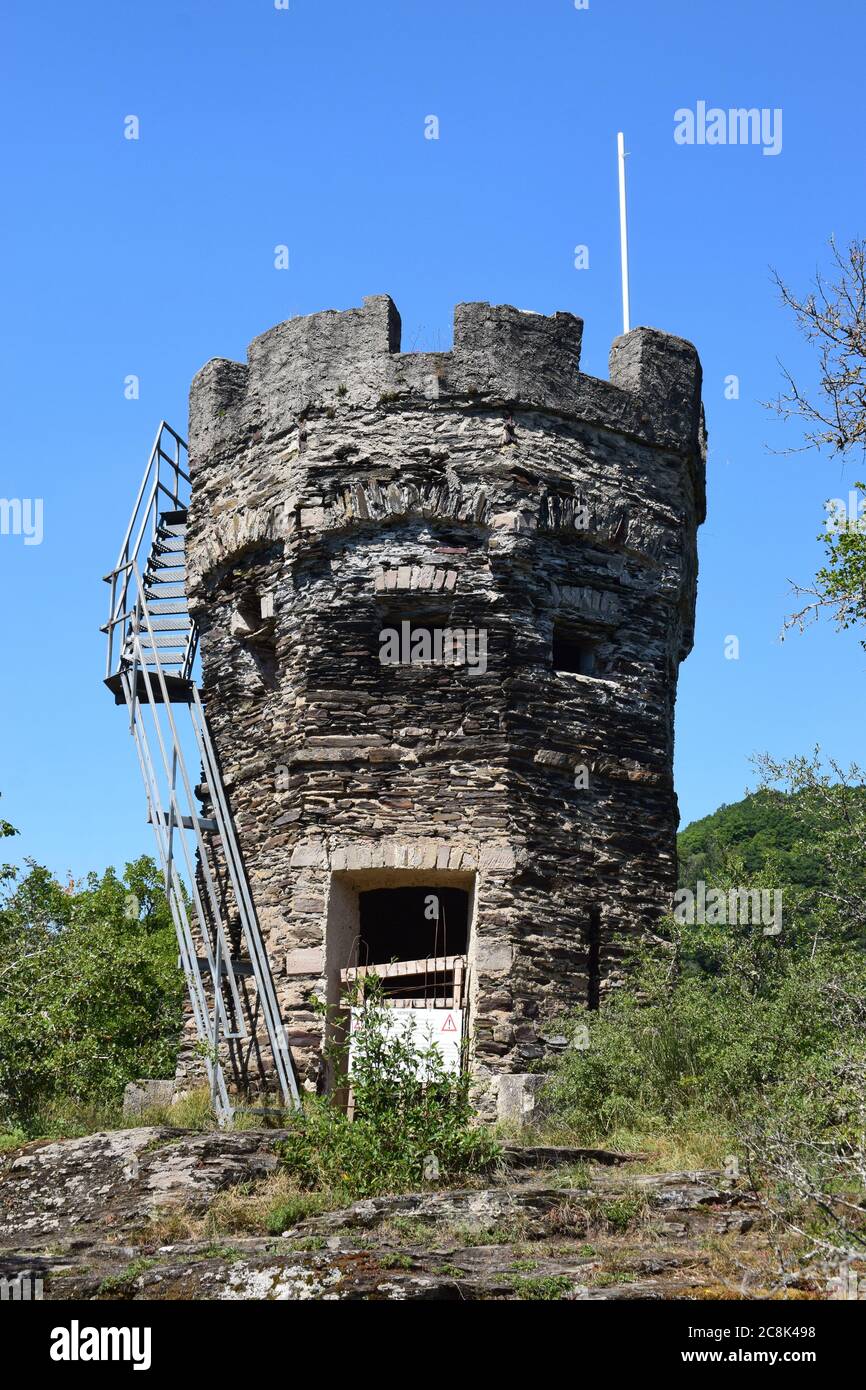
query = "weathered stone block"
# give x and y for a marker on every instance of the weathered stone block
(308, 960)
(147, 1094)
(495, 957)
(518, 1098)
(313, 853)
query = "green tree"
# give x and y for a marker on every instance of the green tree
(7, 871)
(90, 992)
(831, 316)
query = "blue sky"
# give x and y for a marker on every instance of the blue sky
(305, 127)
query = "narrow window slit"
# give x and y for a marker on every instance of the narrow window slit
(573, 652)
(593, 958)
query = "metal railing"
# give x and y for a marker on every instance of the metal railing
(195, 851)
(164, 487)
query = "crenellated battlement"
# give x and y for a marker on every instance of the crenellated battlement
(330, 426)
(501, 356)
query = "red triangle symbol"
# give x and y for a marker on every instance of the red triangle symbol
(449, 1026)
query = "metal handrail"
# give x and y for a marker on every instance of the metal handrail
(138, 670)
(175, 810)
(172, 481)
(266, 993)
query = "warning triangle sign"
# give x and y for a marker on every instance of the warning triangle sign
(449, 1026)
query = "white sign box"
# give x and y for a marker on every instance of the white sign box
(441, 1027)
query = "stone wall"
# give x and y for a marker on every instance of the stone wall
(341, 486)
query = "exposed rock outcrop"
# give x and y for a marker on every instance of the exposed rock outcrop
(89, 1218)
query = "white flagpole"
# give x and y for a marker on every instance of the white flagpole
(623, 231)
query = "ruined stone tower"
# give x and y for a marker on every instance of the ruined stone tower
(342, 489)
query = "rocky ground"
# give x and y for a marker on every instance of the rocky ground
(167, 1214)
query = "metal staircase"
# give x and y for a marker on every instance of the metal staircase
(152, 646)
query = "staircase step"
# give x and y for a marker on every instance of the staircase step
(161, 622)
(171, 519)
(164, 576)
(188, 822)
(167, 655)
(163, 562)
(170, 590)
(159, 577)
(169, 648)
(166, 544)
(160, 640)
(182, 607)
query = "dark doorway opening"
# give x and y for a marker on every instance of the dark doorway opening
(412, 923)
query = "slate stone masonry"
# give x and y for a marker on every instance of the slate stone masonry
(341, 486)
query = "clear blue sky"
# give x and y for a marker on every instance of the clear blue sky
(305, 127)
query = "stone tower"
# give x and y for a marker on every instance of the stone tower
(342, 490)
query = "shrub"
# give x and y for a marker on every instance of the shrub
(545, 1289)
(413, 1121)
(721, 1023)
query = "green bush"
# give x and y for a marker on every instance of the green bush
(413, 1121)
(756, 1028)
(722, 1028)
